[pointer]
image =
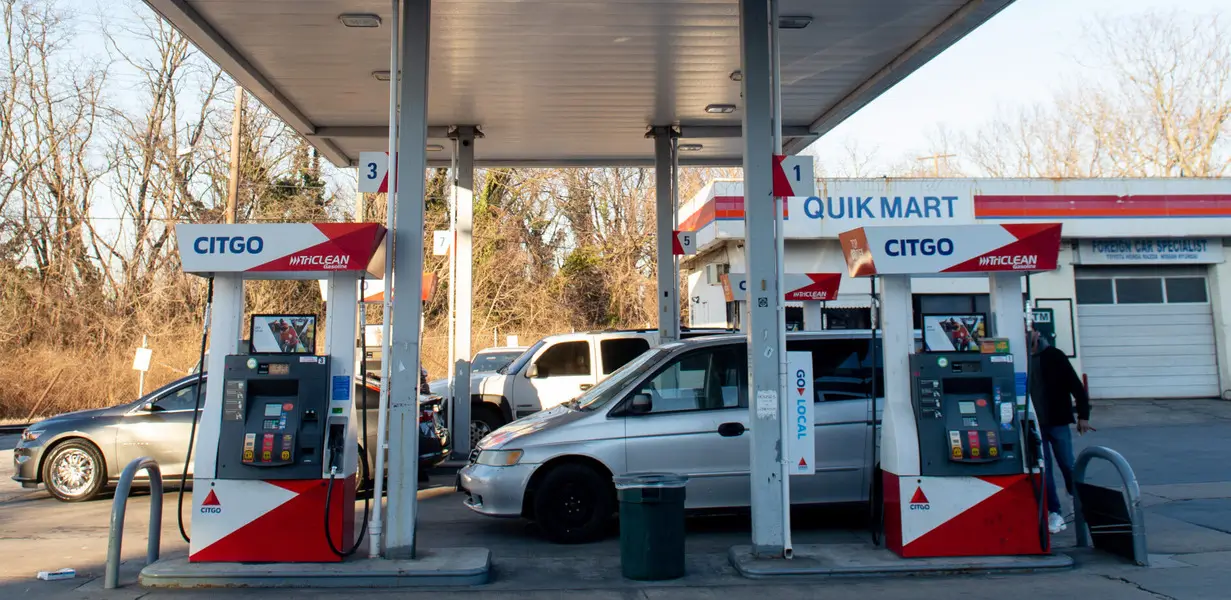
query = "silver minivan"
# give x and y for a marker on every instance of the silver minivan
(678, 408)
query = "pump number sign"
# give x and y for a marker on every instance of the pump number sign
(373, 172)
(793, 177)
(801, 436)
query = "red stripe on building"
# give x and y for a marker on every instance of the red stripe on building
(1079, 206)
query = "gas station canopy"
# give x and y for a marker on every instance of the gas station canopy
(568, 83)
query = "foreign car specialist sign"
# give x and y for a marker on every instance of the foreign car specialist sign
(1151, 251)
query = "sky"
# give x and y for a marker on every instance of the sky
(1023, 56)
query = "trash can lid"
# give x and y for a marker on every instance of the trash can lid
(649, 480)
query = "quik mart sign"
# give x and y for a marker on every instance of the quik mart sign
(1150, 251)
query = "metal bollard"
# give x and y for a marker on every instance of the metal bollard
(1132, 498)
(115, 537)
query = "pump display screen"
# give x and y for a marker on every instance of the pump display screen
(283, 334)
(953, 333)
(273, 409)
(966, 408)
(279, 369)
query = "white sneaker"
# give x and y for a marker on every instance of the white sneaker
(1055, 523)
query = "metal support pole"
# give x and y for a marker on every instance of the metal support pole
(452, 256)
(408, 279)
(1009, 321)
(780, 248)
(764, 320)
(668, 282)
(463, 258)
(376, 524)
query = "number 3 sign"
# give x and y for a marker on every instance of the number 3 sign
(793, 177)
(373, 172)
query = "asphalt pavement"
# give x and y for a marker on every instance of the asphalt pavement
(1178, 449)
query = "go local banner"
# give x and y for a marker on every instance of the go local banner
(951, 249)
(278, 247)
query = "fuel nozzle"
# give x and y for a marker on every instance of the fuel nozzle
(335, 444)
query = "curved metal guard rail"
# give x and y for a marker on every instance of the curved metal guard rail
(1132, 499)
(115, 537)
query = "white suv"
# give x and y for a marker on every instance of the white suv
(553, 371)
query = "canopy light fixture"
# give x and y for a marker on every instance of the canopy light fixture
(359, 20)
(794, 22)
(690, 147)
(737, 75)
(435, 148)
(381, 75)
(720, 109)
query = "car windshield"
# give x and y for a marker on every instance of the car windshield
(520, 361)
(613, 386)
(487, 362)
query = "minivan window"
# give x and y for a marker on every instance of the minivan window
(618, 352)
(565, 359)
(842, 369)
(613, 387)
(704, 379)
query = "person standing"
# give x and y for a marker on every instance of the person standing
(1054, 388)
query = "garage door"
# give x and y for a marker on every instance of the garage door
(1147, 334)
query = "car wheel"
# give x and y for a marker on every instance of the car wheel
(483, 421)
(573, 504)
(75, 471)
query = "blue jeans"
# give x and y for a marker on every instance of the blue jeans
(1058, 442)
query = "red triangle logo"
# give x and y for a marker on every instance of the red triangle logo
(211, 500)
(801, 391)
(803, 463)
(919, 498)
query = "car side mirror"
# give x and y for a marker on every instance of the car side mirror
(149, 407)
(641, 405)
(532, 372)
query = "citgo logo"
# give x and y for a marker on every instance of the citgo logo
(211, 505)
(919, 501)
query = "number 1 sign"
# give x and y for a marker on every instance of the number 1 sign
(793, 177)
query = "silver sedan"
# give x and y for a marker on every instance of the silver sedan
(679, 408)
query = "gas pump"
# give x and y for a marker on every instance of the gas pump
(277, 449)
(960, 455)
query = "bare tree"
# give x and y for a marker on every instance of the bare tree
(1156, 103)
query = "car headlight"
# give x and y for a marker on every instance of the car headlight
(30, 436)
(499, 458)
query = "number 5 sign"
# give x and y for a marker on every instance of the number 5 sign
(373, 172)
(793, 176)
(684, 242)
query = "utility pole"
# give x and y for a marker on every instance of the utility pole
(233, 183)
(935, 158)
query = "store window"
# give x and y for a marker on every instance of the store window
(1186, 290)
(1095, 291)
(1145, 290)
(1142, 290)
(950, 304)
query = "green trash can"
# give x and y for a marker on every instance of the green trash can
(651, 525)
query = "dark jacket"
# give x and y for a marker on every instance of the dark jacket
(1054, 386)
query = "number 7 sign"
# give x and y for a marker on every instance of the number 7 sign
(793, 176)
